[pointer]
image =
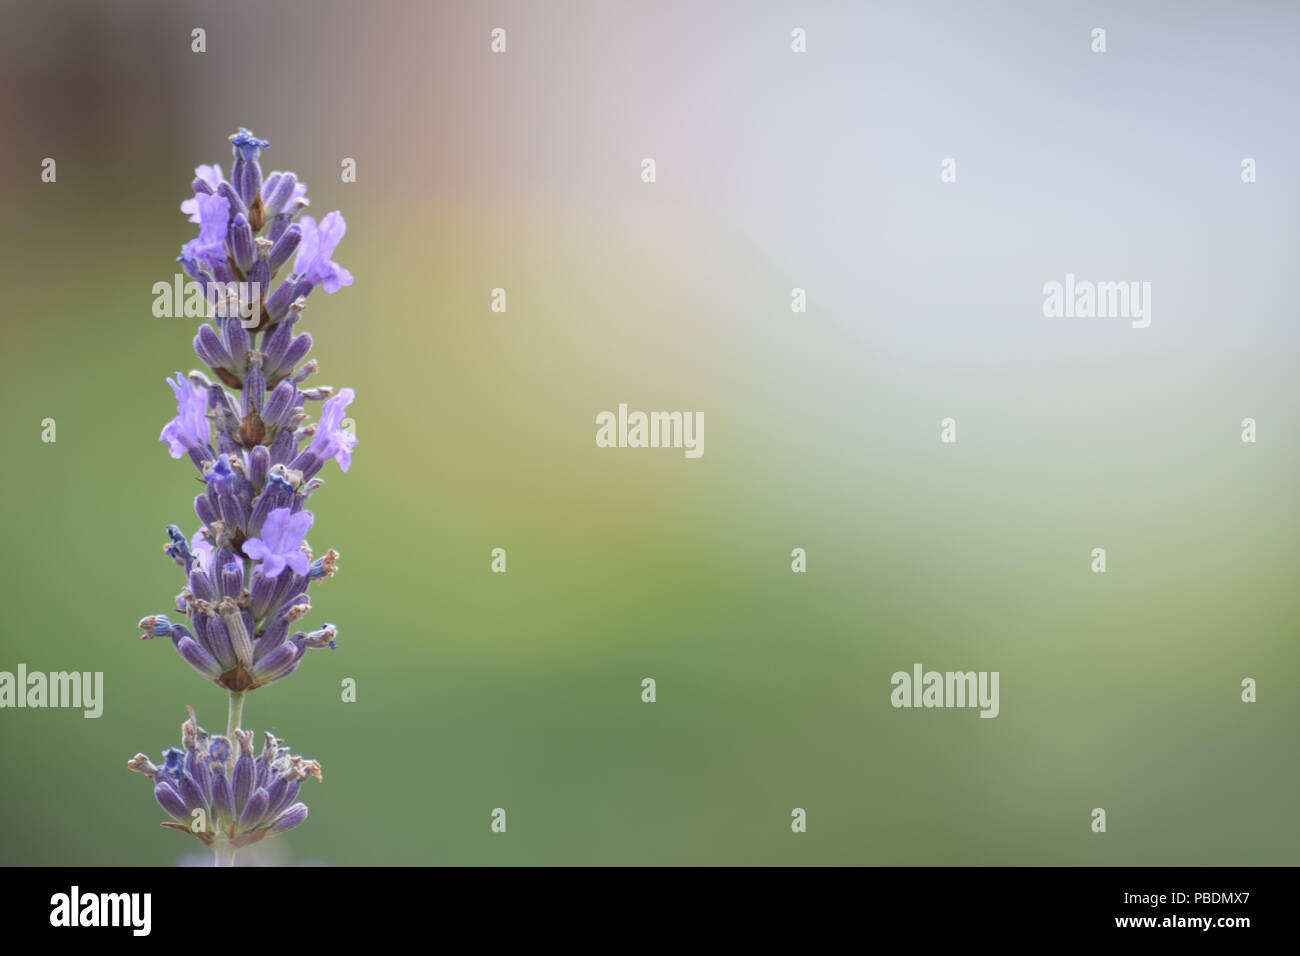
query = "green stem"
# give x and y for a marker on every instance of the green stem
(223, 851)
(236, 712)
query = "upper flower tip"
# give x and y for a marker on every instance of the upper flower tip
(245, 137)
(247, 144)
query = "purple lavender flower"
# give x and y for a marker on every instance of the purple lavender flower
(226, 650)
(190, 430)
(248, 568)
(208, 249)
(240, 798)
(280, 544)
(246, 428)
(206, 180)
(330, 440)
(314, 265)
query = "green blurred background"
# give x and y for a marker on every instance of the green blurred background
(522, 691)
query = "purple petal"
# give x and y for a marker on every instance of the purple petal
(275, 528)
(256, 549)
(296, 529)
(273, 566)
(300, 563)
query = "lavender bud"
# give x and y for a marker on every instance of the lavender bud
(263, 589)
(277, 306)
(199, 620)
(280, 405)
(255, 810)
(201, 586)
(272, 639)
(237, 205)
(235, 338)
(210, 348)
(252, 182)
(283, 448)
(241, 242)
(280, 194)
(284, 247)
(203, 508)
(192, 795)
(276, 344)
(242, 788)
(277, 494)
(275, 662)
(223, 798)
(278, 225)
(232, 578)
(259, 283)
(219, 641)
(172, 802)
(268, 187)
(259, 459)
(298, 350)
(290, 818)
(254, 388)
(199, 659)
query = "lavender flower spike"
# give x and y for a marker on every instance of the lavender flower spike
(241, 419)
(240, 798)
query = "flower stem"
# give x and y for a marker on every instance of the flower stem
(223, 852)
(235, 713)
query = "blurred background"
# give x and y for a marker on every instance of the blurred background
(522, 171)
